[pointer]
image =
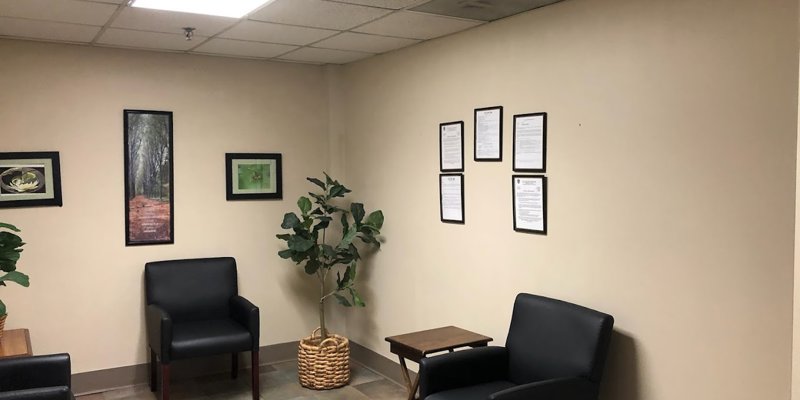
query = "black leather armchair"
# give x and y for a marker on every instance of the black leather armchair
(554, 351)
(36, 378)
(194, 310)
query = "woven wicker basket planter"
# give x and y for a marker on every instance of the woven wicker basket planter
(323, 364)
(2, 325)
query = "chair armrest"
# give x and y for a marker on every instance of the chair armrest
(159, 331)
(35, 372)
(245, 313)
(462, 368)
(51, 393)
(553, 389)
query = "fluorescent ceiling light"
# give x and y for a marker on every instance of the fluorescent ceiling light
(222, 8)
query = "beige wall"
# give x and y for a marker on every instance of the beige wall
(86, 292)
(671, 159)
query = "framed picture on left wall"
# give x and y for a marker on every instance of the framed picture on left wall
(30, 179)
(149, 202)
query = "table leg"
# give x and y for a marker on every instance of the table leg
(411, 386)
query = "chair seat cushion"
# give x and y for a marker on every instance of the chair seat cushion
(477, 392)
(205, 338)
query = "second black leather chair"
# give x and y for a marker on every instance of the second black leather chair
(36, 378)
(555, 350)
(194, 310)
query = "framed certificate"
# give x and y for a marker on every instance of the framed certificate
(451, 198)
(530, 142)
(529, 203)
(451, 146)
(489, 134)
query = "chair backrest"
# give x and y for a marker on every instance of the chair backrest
(191, 290)
(554, 339)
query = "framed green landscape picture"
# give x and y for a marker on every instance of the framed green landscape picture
(253, 176)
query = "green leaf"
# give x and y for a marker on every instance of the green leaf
(351, 272)
(300, 244)
(328, 251)
(286, 254)
(304, 204)
(9, 226)
(338, 191)
(344, 222)
(321, 225)
(2, 308)
(375, 219)
(357, 299)
(18, 277)
(9, 240)
(358, 212)
(283, 236)
(342, 300)
(317, 182)
(290, 221)
(348, 237)
(312, 266)
(328, 179)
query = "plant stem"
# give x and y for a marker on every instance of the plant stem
(322, 330)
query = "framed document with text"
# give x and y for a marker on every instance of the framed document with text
(489, 134)
(530, 142)
(451, 198)
(451, 146)
(529, 202)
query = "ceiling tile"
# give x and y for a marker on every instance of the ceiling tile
(416, 25)
(77, 12)
(324, 56)
(365, 43)
(276, 33)
(144, 19)
(393, 4)
(44, 30)
(242, 48)
(317, 14)
(484, 10)
(147, 40)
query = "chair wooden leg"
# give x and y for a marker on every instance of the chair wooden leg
(234, 365)
(254, 369)
(153, 370)
(164, 381)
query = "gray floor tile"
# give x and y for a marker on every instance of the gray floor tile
(278, 382)
(382, 390)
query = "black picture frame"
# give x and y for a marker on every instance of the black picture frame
(441, 199)
(543, 179)
(30, 179)
(499, 135)
(544, 143)
(442, 128)
(149, 177)
(263, 172)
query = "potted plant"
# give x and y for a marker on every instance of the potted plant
(324, 360)
(10, 249)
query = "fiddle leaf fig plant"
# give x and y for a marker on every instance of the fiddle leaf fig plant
(10, 249)
(320, 255)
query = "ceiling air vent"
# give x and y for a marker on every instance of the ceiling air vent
(481, 10)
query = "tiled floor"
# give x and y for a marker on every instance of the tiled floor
(278, 382)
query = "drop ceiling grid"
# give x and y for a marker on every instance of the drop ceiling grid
(352, 43)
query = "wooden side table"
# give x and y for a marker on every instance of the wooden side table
(15, 343)
(417, 345)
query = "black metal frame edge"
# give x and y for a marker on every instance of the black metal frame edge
(55, 160)
(475, 135)
(441, 166)
(278, 195)
(544, 204)
(171, 240)
(441, 212)
(544, 144)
